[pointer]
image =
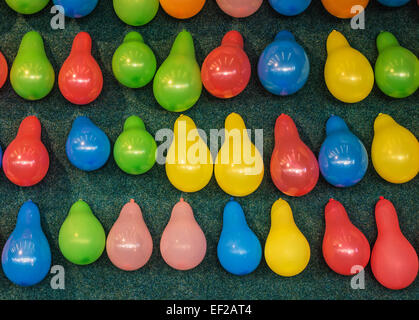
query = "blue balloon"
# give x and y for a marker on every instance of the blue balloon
(26, 257)
(239, 249)
(283, 67)
(290, 7)
(393, 3)
(88, 148)
(76, 8)
(343, 159)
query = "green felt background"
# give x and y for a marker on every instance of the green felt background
(108, 189)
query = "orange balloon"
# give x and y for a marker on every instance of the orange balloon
(342, 8)
(182, 9)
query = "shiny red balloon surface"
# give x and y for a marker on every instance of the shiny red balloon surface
(26, 160)
(80, 79)
(294, 168)
(3, 70)
(344, 246)
(394, 261)
(226, 70)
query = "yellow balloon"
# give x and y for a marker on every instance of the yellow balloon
(348, 74)
(287, 251)
(189, 164)
(239, 165)
(394, 151)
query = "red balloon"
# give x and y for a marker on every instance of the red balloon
(26, 159)
(344, 246)
(294, 168)
(3, 70)
(394, 261)
(80, 78)
(226, 70)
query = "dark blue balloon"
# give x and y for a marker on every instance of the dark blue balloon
(283, 67)
(88, 148)
(238, 250)
(76, 8)
(343, 159)
(290, 7)
(393, 3)
(26, 257)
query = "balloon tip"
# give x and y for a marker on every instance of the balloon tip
(232, 199)
(381, 198)
(181, 199)
(131, 201)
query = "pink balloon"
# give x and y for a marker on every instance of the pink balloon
(129, 244)
(239, 8)
(183, 244)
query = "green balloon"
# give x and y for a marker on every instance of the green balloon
(135, 149)
(32, 75)
(133, 63)
(396, 69)
(27, 6)
(136, 12)
(81, 238)
(177, 85)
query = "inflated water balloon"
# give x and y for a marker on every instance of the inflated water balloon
(87, 147)
(26, 257)
(226, 70)
(32, 75)
(129, 244)
(287, 251)
(239, 8)
(394, 151)
(343, 159)
(345, 247)
(27, 6)
(182, 9)
(393, 3)
(239, 165)
(177, 85)
(26, 160)
(76, 8)
(348, 74)
(239, 250)
(134, 63)
(183, 244)
(396, 68)
(290, 8)
(283, 67)
(394, 261)
(135, 149)
(3, 70)
(294, 168)
(136, 12)
(80, 79)
(343, 8)
(81, 238)
(189, 164)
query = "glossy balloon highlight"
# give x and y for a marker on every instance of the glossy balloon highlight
(27, 6)
(77, 8)
(290, 8)
(136, 12)
(343, 8)
(239, 8)
(182, 9)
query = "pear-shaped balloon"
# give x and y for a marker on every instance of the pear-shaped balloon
(26, 257)
(134, 63)
(294, 168)
(239, 8)
(343, 159)
(393, 3)
(81, 238)
(32, 75)
(239, 165)
(348, 74)
(287, 251)
(76, 8)
(290, 8)
(394, 151)
(189, 164)
(177, 85)
(87, 147)
(183, 244)
(3, 70)
(239, 250)
(129, 244)
(396, 68)
(182, 9)
(135, 149)
(345, 9)
(136, 12)
(27, 6)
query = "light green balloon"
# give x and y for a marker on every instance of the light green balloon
(136, 12)
(81, 238)
(177, 85)
(135, 149)
(32, 75)
(134, 63)
(27, 6)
